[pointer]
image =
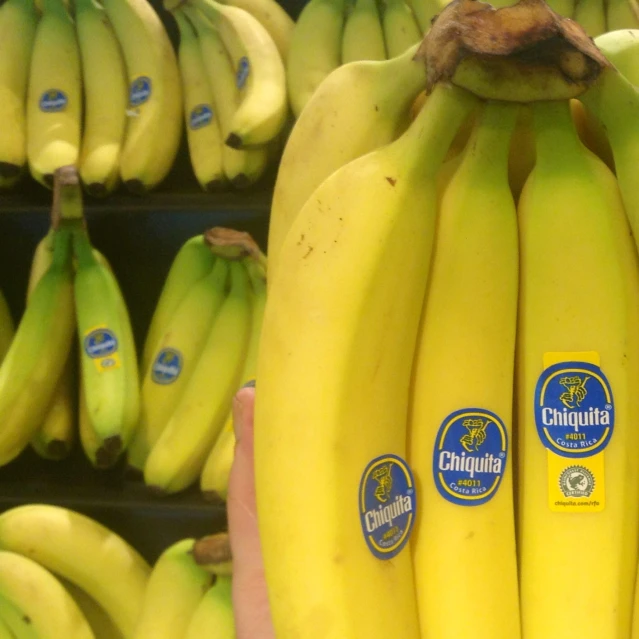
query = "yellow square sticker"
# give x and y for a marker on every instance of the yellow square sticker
(576, 484)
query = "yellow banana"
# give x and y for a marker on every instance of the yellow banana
(105, 97)
(108, 363)
(315, 49)
(16, 621)
(363, 37)
(215, 474)
(52, 612)
(192, 262)
(54, 98)
(360, 107)
(577, 370)
(177, 458)
(274, 19)
(336, 348)
(174, 590)
(175, 358)
(214, 614)
(83, 551)
(18, 20)
(154, 125)
(401, 30)
(203, 131)
(5, 630)
(242, 167)
(260, 75)
(460, 424)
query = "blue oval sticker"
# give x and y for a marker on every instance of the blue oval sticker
(574, 409)
(387, 505)
(470, 454)
(200, 116)
(167, 366)
(243, 71)
(100, 342)
(53, 101)
(140, 91)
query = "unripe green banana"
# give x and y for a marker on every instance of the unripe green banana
(108, 361)
(16, 622)
(214, 614)
(363, 37)
(401, 30)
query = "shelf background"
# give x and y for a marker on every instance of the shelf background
(139, 235)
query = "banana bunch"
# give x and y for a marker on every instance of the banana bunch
(449, 345)
(331, 33)
(96, 86)
(200, 348)
(231, 58)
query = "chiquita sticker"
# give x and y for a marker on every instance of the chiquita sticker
(167, 366)
(53, 101)
(101, 345)
(140, 91)
(243, 70)
(470, 456)
(387, 505)
(574, 409)
(200, 116)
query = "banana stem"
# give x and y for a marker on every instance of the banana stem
(82, 249)
(67, 196)
(61, 241)
(555, 133)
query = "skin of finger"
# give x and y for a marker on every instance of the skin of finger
(250, 599)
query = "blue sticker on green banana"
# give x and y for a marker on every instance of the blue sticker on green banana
(387, 505)
(53, 101)
(100, 342)
(167, 366)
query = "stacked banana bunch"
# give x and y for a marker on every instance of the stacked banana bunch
(72, 294)
(97, 87)
(436, 341)
(201, 346)
(231, 61)
(330, 33)
(598, 17)
(64, 575)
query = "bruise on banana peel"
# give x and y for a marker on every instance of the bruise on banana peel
(520, 53)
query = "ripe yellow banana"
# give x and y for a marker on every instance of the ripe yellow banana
(175, 588)
(274, 19)
(460, 424)
(40, 597)
(108, 363)
(37, 353)
(16, 621)
(175, 357)
(260, 75)
(18, 20)
(83, 551)
(154, 125)
(5, 631)
(54, 98)
(315, 49)
(578, 366)
(192, 262)
(54, 439)
(215, 474)
(337, 341)
(214, 614)
(401, 30)
(360, 107)
(363, 37)
(100, 622)
(242, 167)
(105, 98)
(177, 458)
(203, 130)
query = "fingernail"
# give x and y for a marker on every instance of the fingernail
(249, 384)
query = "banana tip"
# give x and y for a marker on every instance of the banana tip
(234, 141)
(108, 453)
(137, 187)
(9, 171)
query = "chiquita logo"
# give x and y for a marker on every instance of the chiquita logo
(167, 366)
(201, 116)
(387, 505)
(470, 456)
(243, 70)
(574, 409)
(53, 101)
(100, 342)
(140, 91)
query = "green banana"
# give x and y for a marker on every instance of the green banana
(214, 614)
(15, 621)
